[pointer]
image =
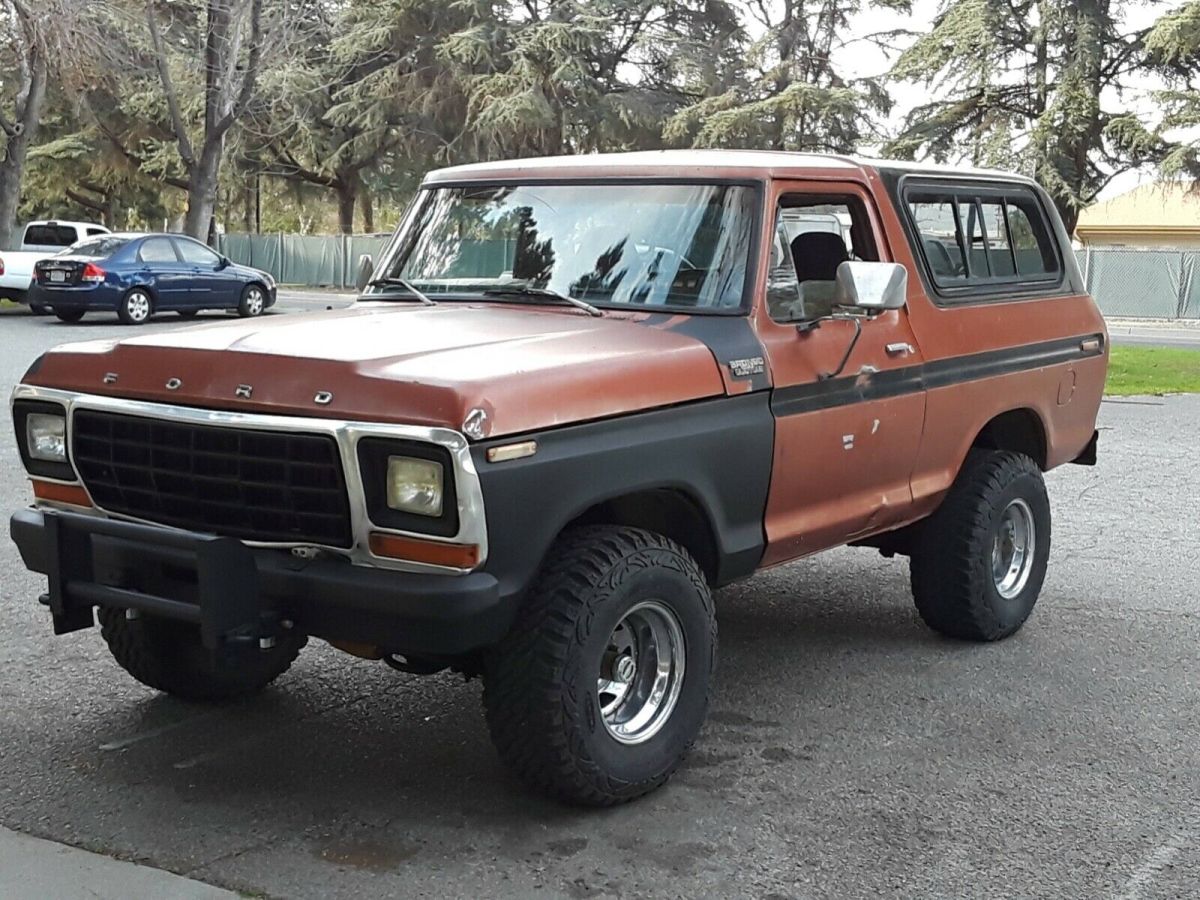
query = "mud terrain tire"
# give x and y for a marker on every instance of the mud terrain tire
(969, 579)
(542, 685)
(169, 657)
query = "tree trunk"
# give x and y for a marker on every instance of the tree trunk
(367, 207)
(12, 168)
(347, 195)
(112, 212)
(248, 207)
(203, 182)
(10, 193)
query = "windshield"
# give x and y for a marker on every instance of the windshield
(658, 245)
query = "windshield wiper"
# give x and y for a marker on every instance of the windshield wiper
(403, 283)
(530, 291)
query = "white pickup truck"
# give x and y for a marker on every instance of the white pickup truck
(38, 241)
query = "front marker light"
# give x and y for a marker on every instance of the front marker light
(46, 437)
(414, 485)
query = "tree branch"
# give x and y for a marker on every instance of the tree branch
(133, 158)
(186, 153)
(85, 202)
(250, 77)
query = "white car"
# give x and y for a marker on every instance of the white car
(39, 241)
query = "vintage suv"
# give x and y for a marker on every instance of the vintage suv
(577, 396)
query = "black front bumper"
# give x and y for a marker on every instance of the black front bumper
(239, 593)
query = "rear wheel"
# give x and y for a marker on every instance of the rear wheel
(168, 656)
(135, 307)
(603, 682)
(980, 560)
(253, 301)
(69, 315)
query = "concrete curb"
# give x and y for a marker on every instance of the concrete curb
(34, 869)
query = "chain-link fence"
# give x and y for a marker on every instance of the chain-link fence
(316, 260)
(1151, 284)
(1144, 284)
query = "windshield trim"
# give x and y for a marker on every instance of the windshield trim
(757, 187)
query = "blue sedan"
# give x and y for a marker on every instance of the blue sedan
(137, 275)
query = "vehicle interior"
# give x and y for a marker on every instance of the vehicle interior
(814, 235)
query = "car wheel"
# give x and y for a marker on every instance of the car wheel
(980, 560)
(253, 302)
(135, 307)
(169, 657)
(602, 684)
(69, 315)
(187, 313)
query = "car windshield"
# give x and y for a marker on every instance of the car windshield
(657, 245)
(97, 248)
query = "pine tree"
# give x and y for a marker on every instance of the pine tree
(1023, 84)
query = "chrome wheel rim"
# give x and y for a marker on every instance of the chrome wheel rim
(254, 301)
(641, 673)
(1013, 549)
(138, 306)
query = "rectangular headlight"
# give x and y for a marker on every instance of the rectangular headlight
(46, 437)
(415, 485)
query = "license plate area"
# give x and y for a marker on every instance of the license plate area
(57, 276)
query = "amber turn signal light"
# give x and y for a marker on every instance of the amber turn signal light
(60, 493)
(435, 553)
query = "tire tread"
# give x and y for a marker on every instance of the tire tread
(948, 582)
(528, 705)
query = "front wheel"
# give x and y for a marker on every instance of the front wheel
(980, 560)
(169, 657)
(253, 301)
(69, 315)
(603, 682)
(135, 307)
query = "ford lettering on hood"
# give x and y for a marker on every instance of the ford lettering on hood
(526, 368)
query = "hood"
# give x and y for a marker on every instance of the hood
(527, 368)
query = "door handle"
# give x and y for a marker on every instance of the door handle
(899, 348)
(1091, 345)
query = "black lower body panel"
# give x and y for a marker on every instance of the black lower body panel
(234, 592)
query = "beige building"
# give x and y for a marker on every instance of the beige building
(1158, 215)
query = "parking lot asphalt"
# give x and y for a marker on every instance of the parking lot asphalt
(849, 752)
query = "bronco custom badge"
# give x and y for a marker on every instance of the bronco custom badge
(747, 368)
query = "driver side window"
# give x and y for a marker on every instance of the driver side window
(814, 235)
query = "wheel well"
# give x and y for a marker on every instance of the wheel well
(671, 513)
(1019, 430)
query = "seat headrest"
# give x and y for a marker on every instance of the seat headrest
(817, 255)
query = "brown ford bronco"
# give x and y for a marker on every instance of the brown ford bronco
(575, 397)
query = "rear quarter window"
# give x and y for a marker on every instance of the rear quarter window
(981, 240)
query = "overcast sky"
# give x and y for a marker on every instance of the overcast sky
(868, 60)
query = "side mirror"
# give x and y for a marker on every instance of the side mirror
(872, 286)
(366, 268)
(224, 263)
